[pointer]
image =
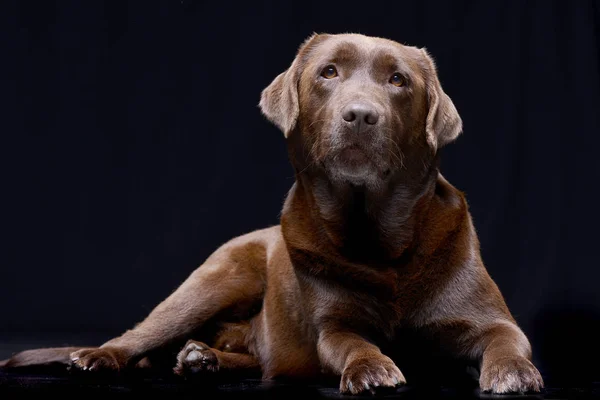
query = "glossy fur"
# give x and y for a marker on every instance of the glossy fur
(373, 242)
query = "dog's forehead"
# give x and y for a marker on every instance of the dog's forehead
(366, 49)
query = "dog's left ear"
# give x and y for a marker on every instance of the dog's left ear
(443, 123)
(279, 101)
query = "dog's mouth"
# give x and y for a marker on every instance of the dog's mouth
(353, 155)
(359, 159)
(355, 164)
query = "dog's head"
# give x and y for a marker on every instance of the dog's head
(359, 105)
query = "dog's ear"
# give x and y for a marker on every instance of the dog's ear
(443, 123)
(279, 100)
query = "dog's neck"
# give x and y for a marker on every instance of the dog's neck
(358, 223)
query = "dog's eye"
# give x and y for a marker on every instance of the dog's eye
(329, 72)
(397, 80)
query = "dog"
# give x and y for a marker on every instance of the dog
(373, 242)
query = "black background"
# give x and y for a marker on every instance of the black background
(132, 147)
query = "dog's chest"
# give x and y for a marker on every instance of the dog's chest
(377, 305)
(380, 298)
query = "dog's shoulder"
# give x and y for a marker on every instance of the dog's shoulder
(448, 209)
(447, 228)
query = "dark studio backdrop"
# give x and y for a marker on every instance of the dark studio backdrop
(132, 147)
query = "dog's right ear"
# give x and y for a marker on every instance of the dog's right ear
(279, 100)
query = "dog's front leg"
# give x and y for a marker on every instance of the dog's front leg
(361, 364)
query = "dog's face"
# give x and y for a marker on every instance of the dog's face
(358, 104)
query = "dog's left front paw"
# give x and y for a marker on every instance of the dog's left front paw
(510, 375)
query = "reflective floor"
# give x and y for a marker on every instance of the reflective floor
(57, 380)
(20, 384)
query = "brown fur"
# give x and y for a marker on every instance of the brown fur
(372, 240)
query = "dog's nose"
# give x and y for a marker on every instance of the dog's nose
(361, 116)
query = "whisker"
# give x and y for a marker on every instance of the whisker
(399, 156)
(316, 121)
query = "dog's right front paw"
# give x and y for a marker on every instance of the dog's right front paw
(100, 359)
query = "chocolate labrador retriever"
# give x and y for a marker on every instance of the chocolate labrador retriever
(373, 242)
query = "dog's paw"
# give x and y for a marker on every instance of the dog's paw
(107, 359)
(196, 357)
(370, 375)
(510, 375)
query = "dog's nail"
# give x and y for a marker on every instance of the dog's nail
(350, 385)
(367, 387)
(74, 359)
(84, 368)
(396, 381)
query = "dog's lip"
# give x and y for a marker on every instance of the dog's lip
(354, 154)
(352, 160)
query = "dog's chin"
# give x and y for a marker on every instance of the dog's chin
(354, 166)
